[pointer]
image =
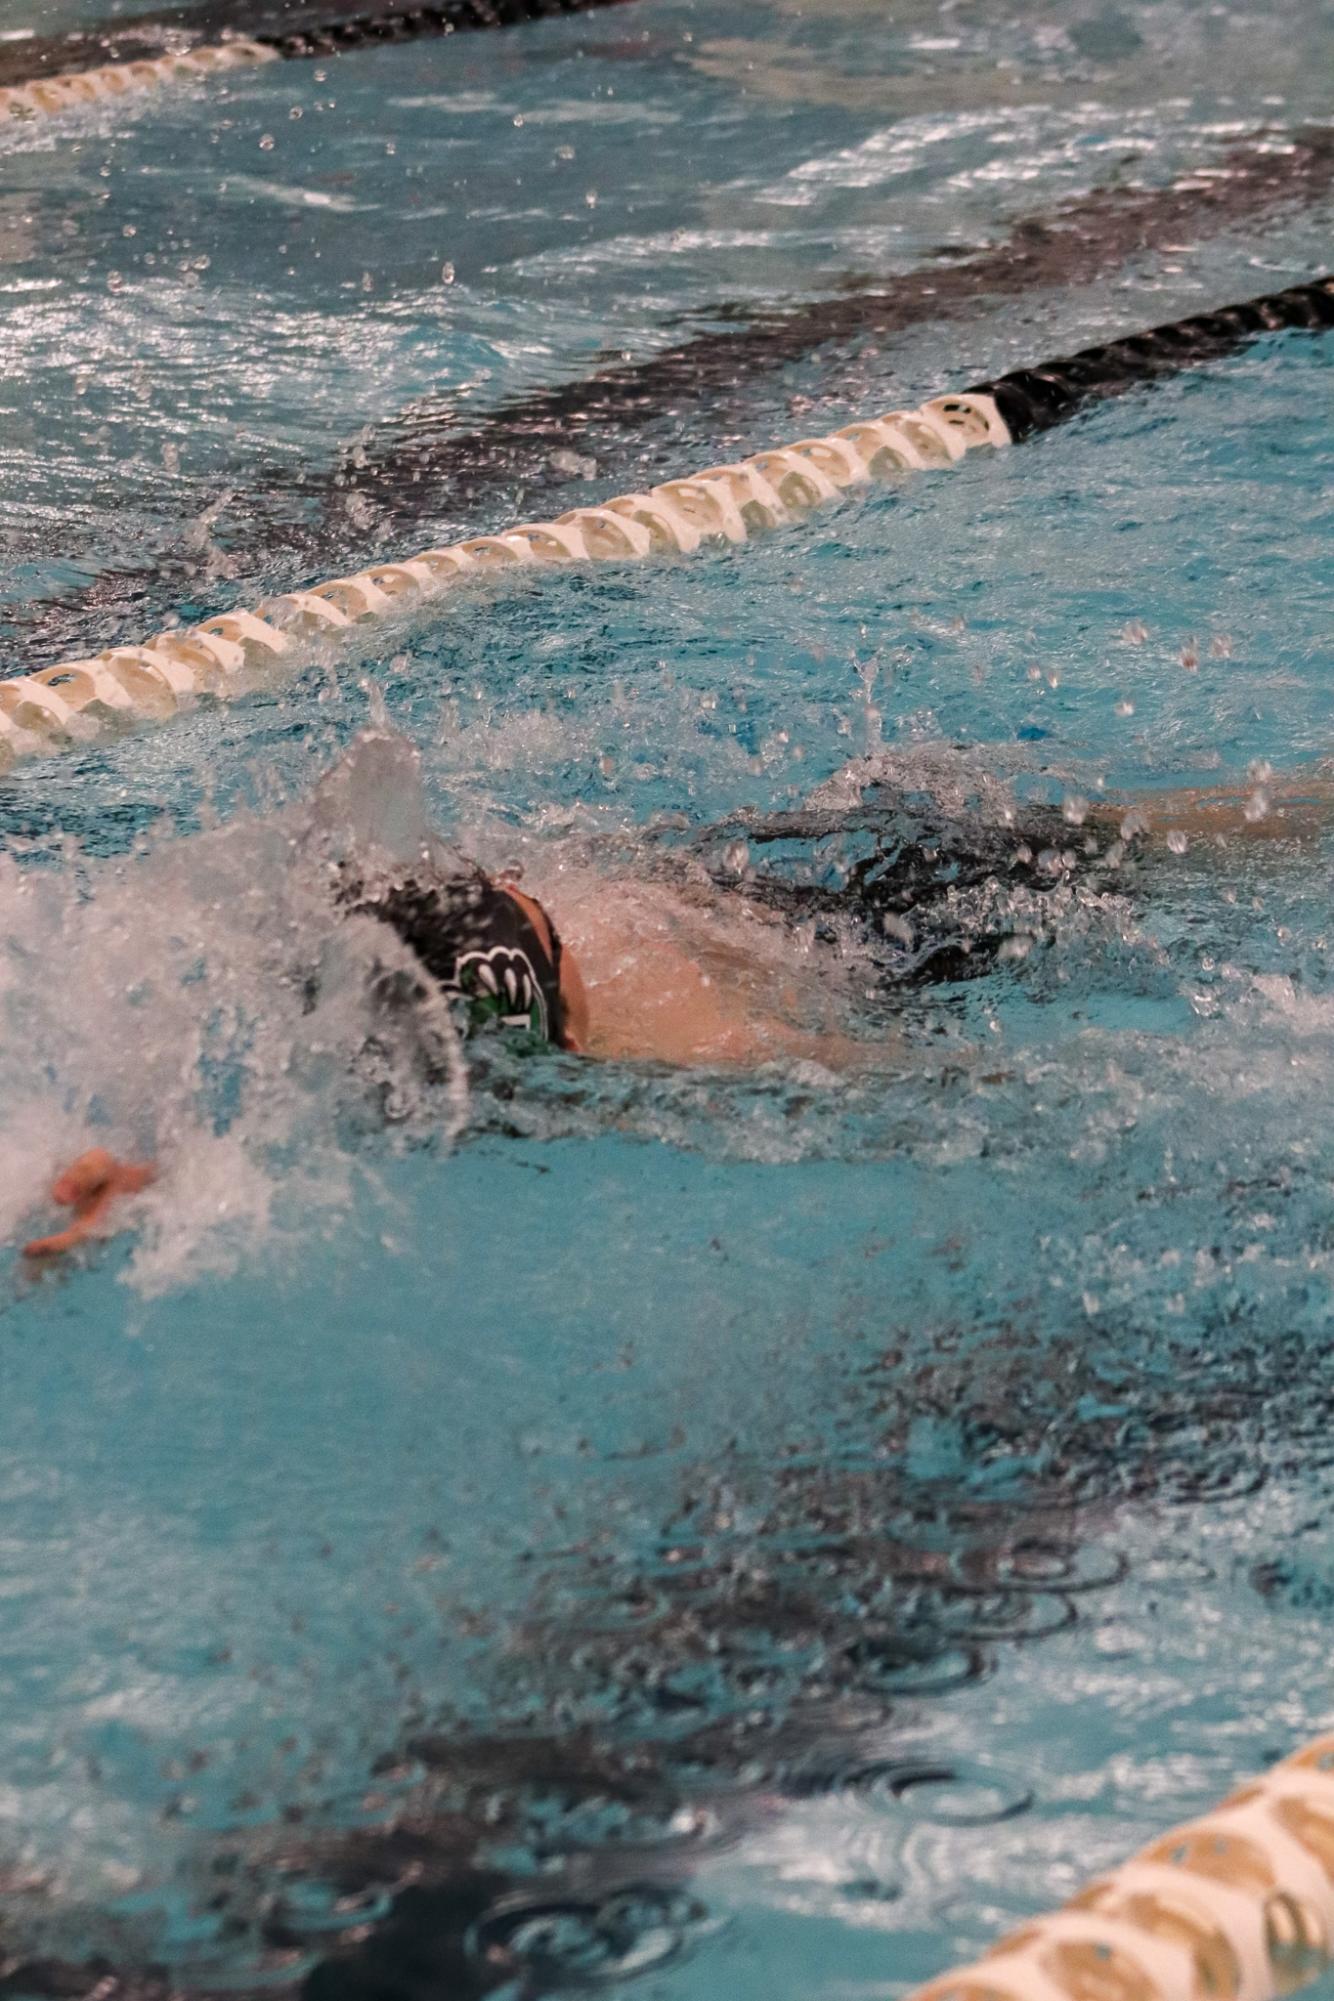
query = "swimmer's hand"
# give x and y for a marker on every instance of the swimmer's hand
(89, 1186)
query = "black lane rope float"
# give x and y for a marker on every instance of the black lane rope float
(70, 703)
(58, 73)
(421, 466)
(358, 31)
(1034, 399)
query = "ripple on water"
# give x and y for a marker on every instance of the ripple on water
(887, 1667)
(569, 1942)
(309, 1911)
(555, 1820)
(943, 1793)
(1037, 1564)
(1014, 1615)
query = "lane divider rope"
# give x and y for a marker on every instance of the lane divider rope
(224, 657)
(1235, 1906)
(50, 94)
(67, 90)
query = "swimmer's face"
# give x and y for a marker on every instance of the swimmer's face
(574, 996)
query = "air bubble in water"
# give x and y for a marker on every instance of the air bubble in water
(1074, 809)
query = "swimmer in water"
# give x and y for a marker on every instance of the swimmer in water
(647, 977)
(497, 956)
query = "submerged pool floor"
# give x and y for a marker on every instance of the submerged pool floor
(664, 1532)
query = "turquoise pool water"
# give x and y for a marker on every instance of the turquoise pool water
(728, 1535)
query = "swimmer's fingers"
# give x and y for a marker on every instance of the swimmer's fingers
(84, 1177)
(56, 1245)
(99, 1173)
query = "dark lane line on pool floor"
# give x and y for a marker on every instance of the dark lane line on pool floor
(749, 1658)
(292, 28)
(421, 466)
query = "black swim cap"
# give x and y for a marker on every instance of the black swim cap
(477, 943)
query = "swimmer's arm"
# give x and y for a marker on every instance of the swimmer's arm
(660, 1004)
(1294, 807)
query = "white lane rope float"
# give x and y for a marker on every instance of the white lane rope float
(68, 92)
(68, 89)
(72, 703)
(47, 95)
(1235, 1906)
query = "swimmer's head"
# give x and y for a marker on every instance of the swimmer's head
(493, 948)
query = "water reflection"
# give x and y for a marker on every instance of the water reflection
(762, 1651)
